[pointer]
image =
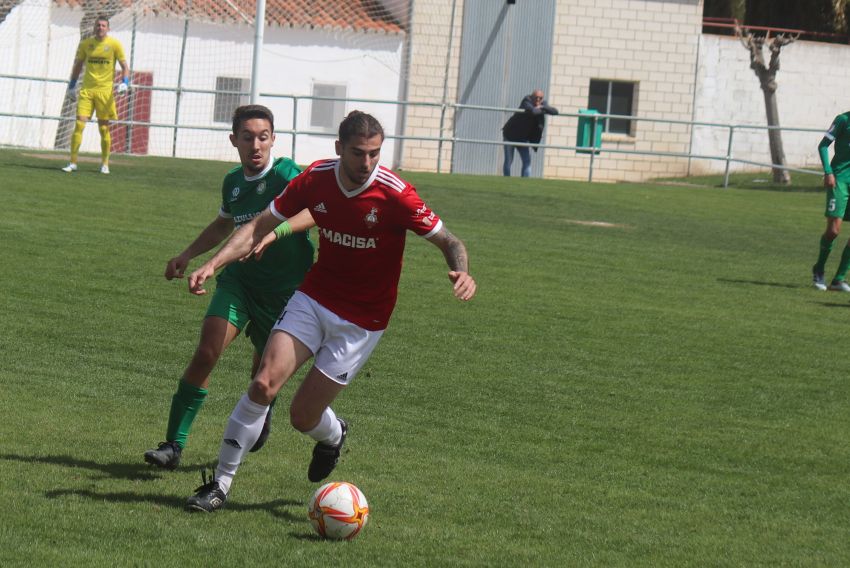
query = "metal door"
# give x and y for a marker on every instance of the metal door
(506, 52)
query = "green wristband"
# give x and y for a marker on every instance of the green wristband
(283, 230)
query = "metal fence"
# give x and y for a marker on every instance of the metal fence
(596, 153)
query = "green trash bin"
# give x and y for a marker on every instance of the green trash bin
(588, 136)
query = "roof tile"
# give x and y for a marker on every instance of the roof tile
(355, 15)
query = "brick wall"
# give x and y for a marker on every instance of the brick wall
(650, 42)
(431, 34)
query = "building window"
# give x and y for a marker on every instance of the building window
(327, 114)
(613, 97)
(226, 103)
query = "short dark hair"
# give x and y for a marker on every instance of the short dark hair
(102, 18)
(246, 112)
(359, 123)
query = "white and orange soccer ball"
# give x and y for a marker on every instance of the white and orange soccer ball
(338, 510)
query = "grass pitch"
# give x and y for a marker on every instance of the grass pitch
(645, 379)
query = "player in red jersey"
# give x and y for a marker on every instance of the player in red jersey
(363, 212)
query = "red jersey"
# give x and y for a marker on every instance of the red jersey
(361, 238)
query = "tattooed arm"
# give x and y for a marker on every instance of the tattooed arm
(455, 252)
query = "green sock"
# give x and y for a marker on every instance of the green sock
(843, 265)
(185, 404)
(825, 248)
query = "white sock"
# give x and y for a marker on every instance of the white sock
(242, 431)
(328, 430)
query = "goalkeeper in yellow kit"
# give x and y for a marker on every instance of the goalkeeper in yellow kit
(99, 53)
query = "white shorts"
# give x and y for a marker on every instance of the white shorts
(340, 348)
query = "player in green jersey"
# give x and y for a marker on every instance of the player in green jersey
(251, 293)
(99, 53)
(836, 179)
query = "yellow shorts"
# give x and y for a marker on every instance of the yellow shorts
(102, 100)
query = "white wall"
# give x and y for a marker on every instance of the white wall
(39, 38)
(292, 60)
(24, 35)
(368, 64)
(811, 91)
(299, 58)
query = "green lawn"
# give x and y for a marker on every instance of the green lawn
(644, 379)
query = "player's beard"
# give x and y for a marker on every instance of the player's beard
(357, 176)
(252, 167)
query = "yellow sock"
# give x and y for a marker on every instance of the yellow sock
(77, 140)
(105, 143)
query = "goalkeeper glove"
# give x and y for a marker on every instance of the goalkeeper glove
(72, 89)
(124, 86)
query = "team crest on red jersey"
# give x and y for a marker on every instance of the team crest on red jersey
(372, 217)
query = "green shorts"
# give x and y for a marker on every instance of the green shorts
(242, 306)
(836, 200)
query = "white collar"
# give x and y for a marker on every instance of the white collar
(262, 174)
(358, 190)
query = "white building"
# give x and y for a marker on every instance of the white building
(340, 51)
(647, 58)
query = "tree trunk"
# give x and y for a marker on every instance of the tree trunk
(767, 81)
(777, 153)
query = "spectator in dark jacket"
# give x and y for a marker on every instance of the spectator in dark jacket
(526, 126)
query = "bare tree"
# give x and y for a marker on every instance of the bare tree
(6, 6)
(767, 80)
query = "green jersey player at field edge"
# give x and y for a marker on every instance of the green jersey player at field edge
(99, 53)
(251, 293)
(836, 179)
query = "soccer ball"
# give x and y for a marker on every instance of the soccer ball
(338, 510)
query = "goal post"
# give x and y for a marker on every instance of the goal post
(193, 62)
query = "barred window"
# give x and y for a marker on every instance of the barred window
(327, 114)
(613, 97)
(226, 103)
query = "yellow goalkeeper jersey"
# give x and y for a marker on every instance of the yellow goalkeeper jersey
(100, 58)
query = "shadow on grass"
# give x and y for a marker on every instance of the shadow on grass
(746, 182)
(87, 166)
(311, 537)
(132, 472)
(44, 168)
(827, 304)
(125, 497)
(777, 188)
(129, 471)
(277, 508)
(145, 472)
(762, 283)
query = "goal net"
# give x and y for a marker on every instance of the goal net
(191, 66)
